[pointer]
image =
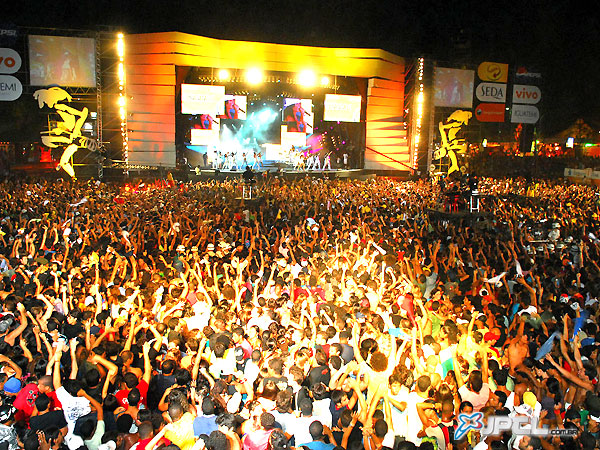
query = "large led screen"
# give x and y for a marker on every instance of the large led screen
(342, 108)
(298, 115)
(235, 107)
(63, 61)
(453, 87)
(202, 99)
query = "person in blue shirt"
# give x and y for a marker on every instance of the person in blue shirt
(319, 433)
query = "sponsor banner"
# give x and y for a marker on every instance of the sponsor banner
(10, 88)
(10, 61)
(491, 71)
(8, 34)
(524, 75)
(490, 112)
(526, 94)
(202, 99)
(491, 92)
(524, 114)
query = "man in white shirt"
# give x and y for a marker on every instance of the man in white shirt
(414, 423)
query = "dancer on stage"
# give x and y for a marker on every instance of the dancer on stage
(327, 162)
(316, 162)
(257, 160)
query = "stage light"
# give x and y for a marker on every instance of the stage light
(325, 81)
(120, 45)
(307, 78)
(224, 74)
(418, 116)
(254, 76)
(122, 102)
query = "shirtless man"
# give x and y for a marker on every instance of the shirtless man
(518, 347)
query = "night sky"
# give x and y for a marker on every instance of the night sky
(558, 39)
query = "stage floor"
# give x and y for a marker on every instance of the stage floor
(285, 173)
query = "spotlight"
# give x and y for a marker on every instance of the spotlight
(224, 74)
(254, 76)
(307, 78)
(324, 81)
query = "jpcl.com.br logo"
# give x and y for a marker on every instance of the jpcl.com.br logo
(519, 425)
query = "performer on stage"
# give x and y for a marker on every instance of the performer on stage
(257, 160)
(316, 162)
(327, 162)
(309, 162)
(302, 161)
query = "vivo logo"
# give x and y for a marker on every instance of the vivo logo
(526, 94)
(10, 61)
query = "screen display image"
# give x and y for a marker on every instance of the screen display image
(342, 108)
(453, 87)
(235, 107)
(298, 115)
(63, 61)
(205, 131)
(202, 99)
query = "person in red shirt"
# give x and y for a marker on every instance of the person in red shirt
(25, 399)
(146, 433)
(131, 381)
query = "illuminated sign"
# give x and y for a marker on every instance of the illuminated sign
(10, 88)
(526, 94)
(490, 112)
(491, 92)
(491, 71)
(524, 114)
(10, 61)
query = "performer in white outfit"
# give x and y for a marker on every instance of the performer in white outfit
(327, 162)
(316, 162)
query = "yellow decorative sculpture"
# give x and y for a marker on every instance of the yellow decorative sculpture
(68, 131)
(451, 145)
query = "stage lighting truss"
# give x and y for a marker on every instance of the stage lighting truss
(122, 100)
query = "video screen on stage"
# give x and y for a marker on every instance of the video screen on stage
(453, 87)
(63, 61)
(235, 107)
(342, 108)
(205, 131)
(298, 115)
(202, 99)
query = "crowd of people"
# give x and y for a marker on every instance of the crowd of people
(325, 314)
